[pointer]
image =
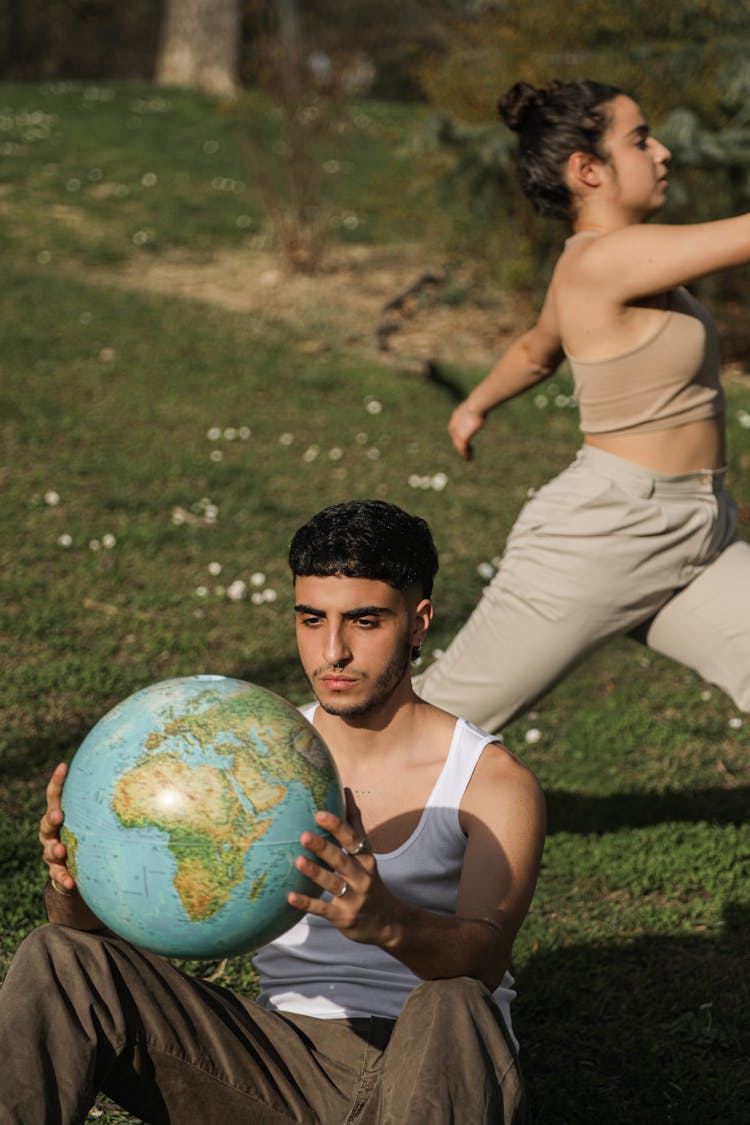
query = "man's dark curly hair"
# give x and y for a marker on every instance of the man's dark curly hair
(366, 539)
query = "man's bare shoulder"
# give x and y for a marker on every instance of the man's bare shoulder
(498, 767)
(435, 719)
(502, 779)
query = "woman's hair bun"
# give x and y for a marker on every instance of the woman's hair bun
(519, 104)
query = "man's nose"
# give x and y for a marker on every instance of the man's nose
(336, 649)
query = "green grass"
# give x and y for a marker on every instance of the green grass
(632, 965)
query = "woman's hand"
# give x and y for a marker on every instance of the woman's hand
(464, 423)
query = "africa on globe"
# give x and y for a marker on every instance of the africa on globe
(183, 810)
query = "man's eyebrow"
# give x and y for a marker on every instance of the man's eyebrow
(349, 614)
(643, 130)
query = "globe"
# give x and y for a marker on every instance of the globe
(183, 812)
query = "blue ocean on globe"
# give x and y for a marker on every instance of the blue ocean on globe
(183, 809)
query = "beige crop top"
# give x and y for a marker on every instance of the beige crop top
(669, 380)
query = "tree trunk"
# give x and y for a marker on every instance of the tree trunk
(199, 45)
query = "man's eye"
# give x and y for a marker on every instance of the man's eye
(368, 622)
(310, 620)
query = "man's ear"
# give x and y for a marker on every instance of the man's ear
(421, 621)
(584, 170)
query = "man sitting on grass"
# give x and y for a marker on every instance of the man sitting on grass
(389, 1000)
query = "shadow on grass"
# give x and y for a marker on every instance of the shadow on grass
(36, 755)
(688, 1059)
(581, 812)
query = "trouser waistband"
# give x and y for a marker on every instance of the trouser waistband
(646, 481)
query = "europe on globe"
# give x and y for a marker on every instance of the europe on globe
(183, 810)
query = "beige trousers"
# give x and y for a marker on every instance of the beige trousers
(605, 548)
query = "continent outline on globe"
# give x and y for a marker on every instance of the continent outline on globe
(222, 776)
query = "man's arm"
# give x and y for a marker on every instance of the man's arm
(503, 816)
(61, 898)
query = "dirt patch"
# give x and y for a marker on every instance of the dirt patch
(395, 304)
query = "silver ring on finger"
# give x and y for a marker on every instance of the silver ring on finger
(361, 847)
(343, 891)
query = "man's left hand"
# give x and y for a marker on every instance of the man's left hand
(360, 904)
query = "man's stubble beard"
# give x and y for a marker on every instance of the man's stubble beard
(383, 689)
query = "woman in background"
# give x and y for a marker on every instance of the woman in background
(639, 532)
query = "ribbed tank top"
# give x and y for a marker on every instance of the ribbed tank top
(669, 380)
(314, 970)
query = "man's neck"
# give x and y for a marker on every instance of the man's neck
(379, 732)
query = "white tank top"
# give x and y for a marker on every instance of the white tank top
(314, 970)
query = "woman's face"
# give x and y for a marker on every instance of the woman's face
(635, 169)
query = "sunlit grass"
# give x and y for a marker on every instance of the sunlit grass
(156, 456)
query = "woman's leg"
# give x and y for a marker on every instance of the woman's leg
(596, 553)
(707, 625)
(550, 605)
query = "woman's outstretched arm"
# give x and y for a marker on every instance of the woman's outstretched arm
(530, 358)
(649, 258)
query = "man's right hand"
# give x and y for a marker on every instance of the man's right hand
(53, 849)
(64, 904)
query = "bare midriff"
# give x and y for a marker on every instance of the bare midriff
(683, 449)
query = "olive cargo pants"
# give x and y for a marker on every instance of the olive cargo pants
(83, 1012)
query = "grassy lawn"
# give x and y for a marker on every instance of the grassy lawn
(146, 437)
